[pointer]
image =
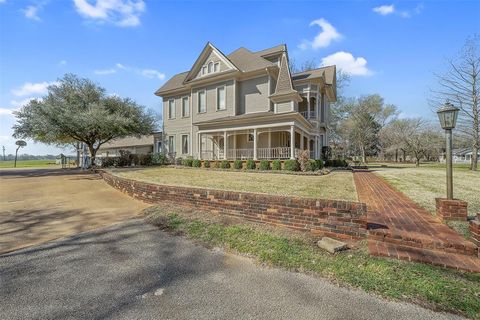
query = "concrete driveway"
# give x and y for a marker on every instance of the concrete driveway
(38, 205)
(134, 271)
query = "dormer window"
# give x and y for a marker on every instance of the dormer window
(210, 67)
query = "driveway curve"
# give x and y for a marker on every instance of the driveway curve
(38, 205)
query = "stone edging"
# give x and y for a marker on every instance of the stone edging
(333, 218)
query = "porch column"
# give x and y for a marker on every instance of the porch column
(316, 147)
(308, 107)
(224, 145)
(316, 107)
(255, 144)
(302, 137)
(292, 142)
(235, 145)
(270, 153)
(200, 146)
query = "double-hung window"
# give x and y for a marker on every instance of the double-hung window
(202, 101)
(221, 103)
(185, 144)
(185, 107)
(171, 109)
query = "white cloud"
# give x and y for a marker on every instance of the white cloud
(3, 1)
(147, 73)
(348, 63)
(31, 12)
(150, 73)
(63, 62)
(29, 89)
(385, 9)
(324, 37)
(123, 13)
(6, 112)
(105, 71)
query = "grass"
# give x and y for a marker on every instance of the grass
(27, 163)
(427, 182)
(434, 287)
(337, 185)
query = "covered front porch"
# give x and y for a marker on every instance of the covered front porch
(282, 142)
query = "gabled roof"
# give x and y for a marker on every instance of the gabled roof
(198, 63)
(173, 83)
(247, 61)
(270, 51)
(327, 72)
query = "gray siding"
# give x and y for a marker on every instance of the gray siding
(214, 58)
(253, 95)
(284, 107)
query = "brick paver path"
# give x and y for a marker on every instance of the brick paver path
(399, 228)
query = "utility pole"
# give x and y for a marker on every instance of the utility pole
(3, 148)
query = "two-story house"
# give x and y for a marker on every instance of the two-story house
(247, 105)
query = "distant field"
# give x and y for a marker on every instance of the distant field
(29, 163)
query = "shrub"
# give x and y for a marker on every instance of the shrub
(124, 159)
(251, 164)
(134, 159)
(225, 164)
(291, 165)
(264, 165)
(310, 165)
(145, 159)
(197, 163)
(178, 161)
(319, 163)
(159, 159)
(238, 164)
(336, 163)
(188, 162)
(303, 159)
(108, 162)
(276, 165)
(206, 163)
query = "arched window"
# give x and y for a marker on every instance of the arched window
(210, 67)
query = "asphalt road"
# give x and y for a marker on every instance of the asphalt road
(134, 271)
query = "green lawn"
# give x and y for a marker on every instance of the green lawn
(434, 287)
(337, 185)
(28, 163)
(427, 182)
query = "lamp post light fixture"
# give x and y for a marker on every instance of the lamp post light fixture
(448, 119)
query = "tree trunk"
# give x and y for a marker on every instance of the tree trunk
(417, 162)
(364, 158)
(93, 153)
(474, 164)
(396, 155)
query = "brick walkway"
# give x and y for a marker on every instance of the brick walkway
(399, 228)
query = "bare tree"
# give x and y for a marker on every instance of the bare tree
(461, 85)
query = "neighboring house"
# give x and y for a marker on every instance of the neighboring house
(247, 105)
(146, 144)
(461, 156)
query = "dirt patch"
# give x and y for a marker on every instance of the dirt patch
(43, 204)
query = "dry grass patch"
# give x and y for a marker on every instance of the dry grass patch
(425, 183)
(337, 185)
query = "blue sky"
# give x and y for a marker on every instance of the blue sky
(131, 47)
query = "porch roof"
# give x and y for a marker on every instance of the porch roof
(256, 118)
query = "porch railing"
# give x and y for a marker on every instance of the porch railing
(313, 114)
(241, 154)
(244, 154)
(273, 153)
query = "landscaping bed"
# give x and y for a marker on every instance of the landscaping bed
(433, 287)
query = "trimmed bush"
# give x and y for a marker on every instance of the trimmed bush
(336, 163)
(310, 165)
(238, 164)
(108, 162)
(251, 164)
(276, 165)
(264, 165)
(206, 163)
(124, 159)
(187, 162)
(145, 159)
(319, 163)
(197, 163)
(159, 159)
(225, 164)
(291, 165)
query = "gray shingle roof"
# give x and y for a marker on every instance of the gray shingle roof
(247, 61)
(276, 49)
(174, 82)
(315, 73)
(284, 82)
(130, 142)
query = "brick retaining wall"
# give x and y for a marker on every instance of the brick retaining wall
(338, 219)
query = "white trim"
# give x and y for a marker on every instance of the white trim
(234, 97)
(188, 106)
(217, 107)
(282, 124)
(188, 143)
(198, 101)
(174, 109)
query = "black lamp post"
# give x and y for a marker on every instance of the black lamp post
(448, 119)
